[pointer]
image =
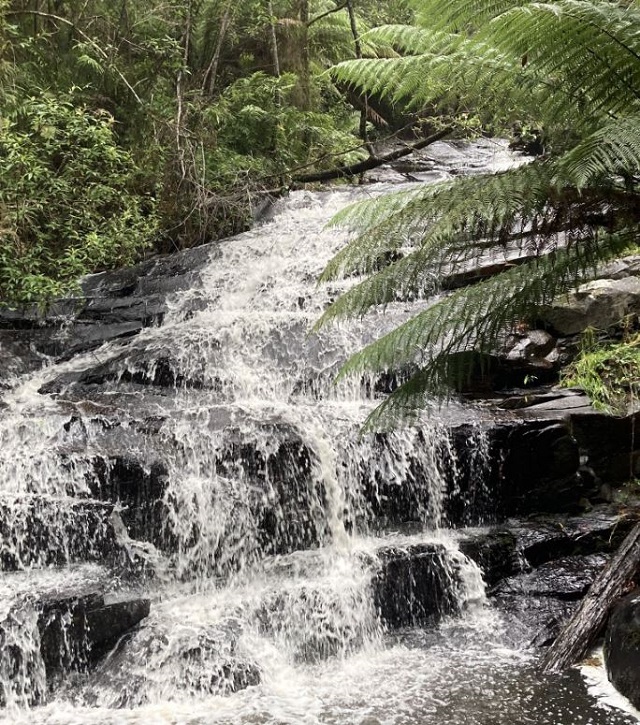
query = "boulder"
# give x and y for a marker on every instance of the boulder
(622, 647)
(416, 584)
(602, 303)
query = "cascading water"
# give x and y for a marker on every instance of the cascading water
(224, 475)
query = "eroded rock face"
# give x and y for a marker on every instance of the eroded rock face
(622, 647)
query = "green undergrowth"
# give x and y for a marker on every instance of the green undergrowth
(608, 372)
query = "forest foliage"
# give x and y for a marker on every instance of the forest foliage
(129, 127)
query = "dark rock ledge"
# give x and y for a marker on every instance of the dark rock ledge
(74, 629)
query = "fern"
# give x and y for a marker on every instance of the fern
(573, 68)
(439, 340)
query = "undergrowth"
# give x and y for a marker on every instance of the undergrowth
(608, 372)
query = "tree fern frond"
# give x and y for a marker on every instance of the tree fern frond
(442, 218)
(570, 68)
(595, 69)
(460, 15)
(440, 338)
(412, 40)
(613, 149)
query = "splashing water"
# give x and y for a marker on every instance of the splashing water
(218, 450)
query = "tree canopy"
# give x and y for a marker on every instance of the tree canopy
(570, 71)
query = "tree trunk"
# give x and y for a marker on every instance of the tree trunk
(273, 39)
(585, 625)
(364, 113)
(305, 72)
(180, 90)
(211, 74)
(373, 162)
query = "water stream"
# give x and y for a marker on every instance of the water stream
(274, 520)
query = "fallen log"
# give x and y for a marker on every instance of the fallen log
(373, 162)
(587, 622)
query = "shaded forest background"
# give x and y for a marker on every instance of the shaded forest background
(130, 127)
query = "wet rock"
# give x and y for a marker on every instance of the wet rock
(266, 488)
(315, 620)
(112, 305)
(76, 630)
(602, 303)
(17, 356)
(546, 403)
(47, 634)
(539, 619)
(541, 601)
(622, 647)
(537, 467)
(519, 545)
(136, 366)
(288, 504)
(546, 538)
(415, 584)
(610, 445)
(495, 552)
(567, 578)
(180, 663)
(138, 489)
(39, 531)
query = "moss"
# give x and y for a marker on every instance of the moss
(609, 373)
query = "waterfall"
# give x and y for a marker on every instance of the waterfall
(211, 465)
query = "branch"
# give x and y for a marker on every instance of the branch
(86, 37)
(329, 12)
(373, 162)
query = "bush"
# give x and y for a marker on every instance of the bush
(69, 199)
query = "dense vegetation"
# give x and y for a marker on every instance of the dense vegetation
(569, 70)
(131, 126)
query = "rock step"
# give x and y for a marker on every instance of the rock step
(57, 621)
(41, 531)
(538, 569)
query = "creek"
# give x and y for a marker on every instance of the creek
(202, 491)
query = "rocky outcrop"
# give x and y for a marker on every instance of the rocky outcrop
(602, 304)
(622, 647)
(108, 306)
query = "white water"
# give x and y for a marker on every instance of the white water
(272, 510)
